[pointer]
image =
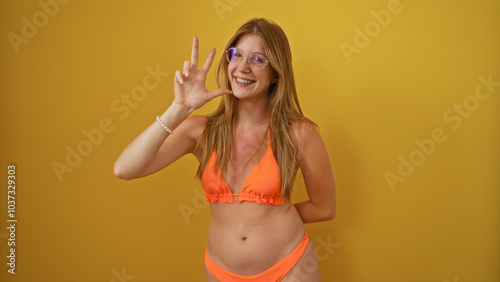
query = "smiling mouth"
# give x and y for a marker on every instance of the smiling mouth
(244, 81)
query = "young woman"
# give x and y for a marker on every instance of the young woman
(249, 151)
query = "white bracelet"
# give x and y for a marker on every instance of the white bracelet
(164, 126)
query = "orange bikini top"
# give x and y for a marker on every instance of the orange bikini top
(262, 186)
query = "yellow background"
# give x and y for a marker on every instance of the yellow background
(440, 224)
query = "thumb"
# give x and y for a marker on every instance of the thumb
(219, 92)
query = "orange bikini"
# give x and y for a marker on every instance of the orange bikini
(275, 273)
(262, 186)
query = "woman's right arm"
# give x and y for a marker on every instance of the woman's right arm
(155, 149)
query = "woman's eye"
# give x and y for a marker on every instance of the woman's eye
(258, 60)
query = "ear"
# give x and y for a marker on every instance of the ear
(275, 78)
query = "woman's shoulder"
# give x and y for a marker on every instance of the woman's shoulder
(197, 120)
(303, 129)
(194, 126)
(307, 140)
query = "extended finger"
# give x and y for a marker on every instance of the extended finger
(208, 62)
(178, 76)
(218, 92)
(194, 53)
(186, 68)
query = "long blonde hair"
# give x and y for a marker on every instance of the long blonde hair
(282, 105)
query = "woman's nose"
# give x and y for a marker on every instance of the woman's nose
(243, 65)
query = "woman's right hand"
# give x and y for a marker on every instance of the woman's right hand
(190, 90)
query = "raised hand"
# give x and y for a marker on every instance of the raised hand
(190, 90)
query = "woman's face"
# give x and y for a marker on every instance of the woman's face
(246, 82)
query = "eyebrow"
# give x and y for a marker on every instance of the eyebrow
(250, 53)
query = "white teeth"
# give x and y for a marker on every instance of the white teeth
(243, 81)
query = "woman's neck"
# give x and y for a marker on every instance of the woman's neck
(251, 115)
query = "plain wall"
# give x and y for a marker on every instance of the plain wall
(399, 90)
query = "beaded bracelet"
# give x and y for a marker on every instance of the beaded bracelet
(164, 126)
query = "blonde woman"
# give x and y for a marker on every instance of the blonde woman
(249, 151)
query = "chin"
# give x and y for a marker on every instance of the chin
(238, 93)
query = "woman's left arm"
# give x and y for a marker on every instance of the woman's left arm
(318, 177)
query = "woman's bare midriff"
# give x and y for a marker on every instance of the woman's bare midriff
(248, 238)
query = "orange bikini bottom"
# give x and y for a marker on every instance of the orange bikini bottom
(275, 273)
